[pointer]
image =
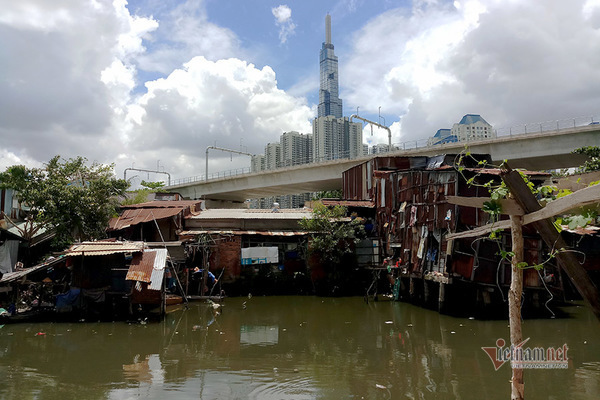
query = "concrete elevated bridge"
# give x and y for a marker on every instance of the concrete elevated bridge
(533, 151)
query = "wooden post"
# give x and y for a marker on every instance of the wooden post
(551, 236)
(514, 302)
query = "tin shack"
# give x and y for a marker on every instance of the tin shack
(413, 217)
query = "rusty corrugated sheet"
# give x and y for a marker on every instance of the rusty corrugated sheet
(349, 203)
(141, 267)
(232, 232)
(103, 248)
(166, 204)
(13, 276)
(136, 216)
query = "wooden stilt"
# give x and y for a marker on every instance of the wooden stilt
(514, 302)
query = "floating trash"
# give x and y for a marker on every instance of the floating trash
(378, 386)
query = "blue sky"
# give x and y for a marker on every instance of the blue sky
(154, 82)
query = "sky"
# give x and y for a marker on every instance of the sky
(149, 84)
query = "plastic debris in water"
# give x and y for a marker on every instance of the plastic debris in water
(40, 334)
(378, 386)
(389, 322)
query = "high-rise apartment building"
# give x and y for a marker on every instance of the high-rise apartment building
(329, 100)
(335, 138)
(257, 163)
(472, 127)
(272, 155)
(296, 148)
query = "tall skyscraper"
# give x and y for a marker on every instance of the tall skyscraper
(329, 101)
(333, 136)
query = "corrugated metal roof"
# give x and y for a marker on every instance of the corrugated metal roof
(497, 171)
(13, 276)
(103, 248)
(136, 216)
(241, 213)
(349, 203)
(141, 267)
(166, 204)
(232, 232)
(156, 279)
(41, 235)
(149, 267)
(160, 261)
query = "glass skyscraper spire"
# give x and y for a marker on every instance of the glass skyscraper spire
(329, 101)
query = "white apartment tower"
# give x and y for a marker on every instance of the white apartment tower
(296, 148)
(272, 155)
(472, 127)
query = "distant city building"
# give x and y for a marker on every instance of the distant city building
(335, 138)
(257, 163)
(442, 136)
(472, 127)
(272, 155)
(379, 148)
(296, 148)
(284, 201)
(329, 101)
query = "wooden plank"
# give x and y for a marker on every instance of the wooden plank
(551, 236)
(508, 206)
(479, 231)
(581, 198)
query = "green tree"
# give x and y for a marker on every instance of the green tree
(154, 186)
(332, 233)
(593, 164)
(328, 194)
(70, 197)
(141, 195)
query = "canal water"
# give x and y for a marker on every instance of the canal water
(292, 348)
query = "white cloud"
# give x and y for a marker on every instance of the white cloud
(283, 19)
(512, 62)
(207, 103)
(185, 32)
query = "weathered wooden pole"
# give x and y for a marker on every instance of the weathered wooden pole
(567, 260)
(514, 302)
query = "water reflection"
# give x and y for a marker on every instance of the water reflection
(291, 348)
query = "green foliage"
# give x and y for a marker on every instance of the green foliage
(593, 164)
(328, 194)
(332, 234)
(70, 197)
(137, 196)
(154, 186)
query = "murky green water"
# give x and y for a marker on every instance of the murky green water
(291, 348)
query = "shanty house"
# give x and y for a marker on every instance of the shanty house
(413, 217)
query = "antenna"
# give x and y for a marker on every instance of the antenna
(328, 29)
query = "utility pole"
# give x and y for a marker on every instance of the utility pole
(221, 149)
(378, 125)
(147, 170)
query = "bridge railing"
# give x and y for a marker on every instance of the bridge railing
(522, 129)
(548, 126)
